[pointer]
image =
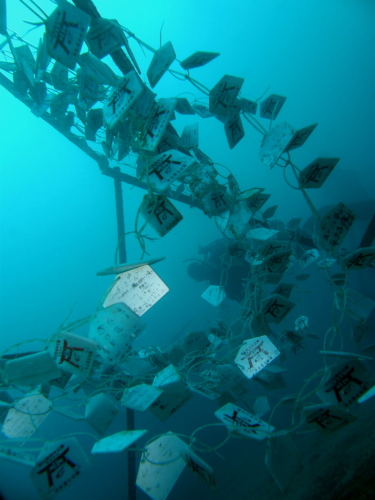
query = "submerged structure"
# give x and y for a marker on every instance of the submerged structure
(84, 80)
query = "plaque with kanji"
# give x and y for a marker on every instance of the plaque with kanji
(345, 383)
(104, 36)
(223, 94)
(59, 463)
(167, 167)
(276, 307)
(233, 128)
(271, 106)
(255, 354)
(300, 137)
(243, 423)
(157, 122)
(121, 98)
(160, 213)
(73, 353)
(66, 29)
(317, 172)
(334, 226)
(200, 467)
(360, 258)
(327, 418)
(308, 257)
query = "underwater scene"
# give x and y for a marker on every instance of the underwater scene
(187, 255)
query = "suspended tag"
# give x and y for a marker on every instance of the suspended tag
(140, 397)
(216, 200)
(326, 263)
(255, 354)
(233, 128)
(308, 257)
(261, 233)
(114, 329)
(59, 75)
(334, 226)
(233, 381)
(271, 106)
(98, 70)
(59, 463)
(270, 380)
(88, 89)
(300, 137)
(160, 466)
(248, 106)
(241, 422)
(17, 455)
(160, 213)
(359, 259)
(360, 331)
(73, 353)
(273, 247)
(200, 467)
(283, 460)
(157, 123)
(169, 379)
(26, 60)
(94, 121)
(160, 63)
(104, 36)
(345, 383)
(356, 305)
(121, 98)
(142, 107)
(261, 406)
(167, 167)
(195, 341)
(198, 59)
(327, 418)
(202, 111)
(284, 289)
(214, 295)
(26, 416)
(183, 106)
(253, 198)
(169, 402)
(275, 308)
(275, 142)
(100, 412)
(189, 136)
(3, 18)
(129, 266)
(224, 93)
(66, 29)
(270, 212)
(317, 172)
(117, 442)
(31, 370)
(204, 391)
(277, 263)
(139, 289)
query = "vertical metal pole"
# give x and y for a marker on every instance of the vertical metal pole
(130, 424)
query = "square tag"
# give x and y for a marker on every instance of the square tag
(255, 354)
(241, 422)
